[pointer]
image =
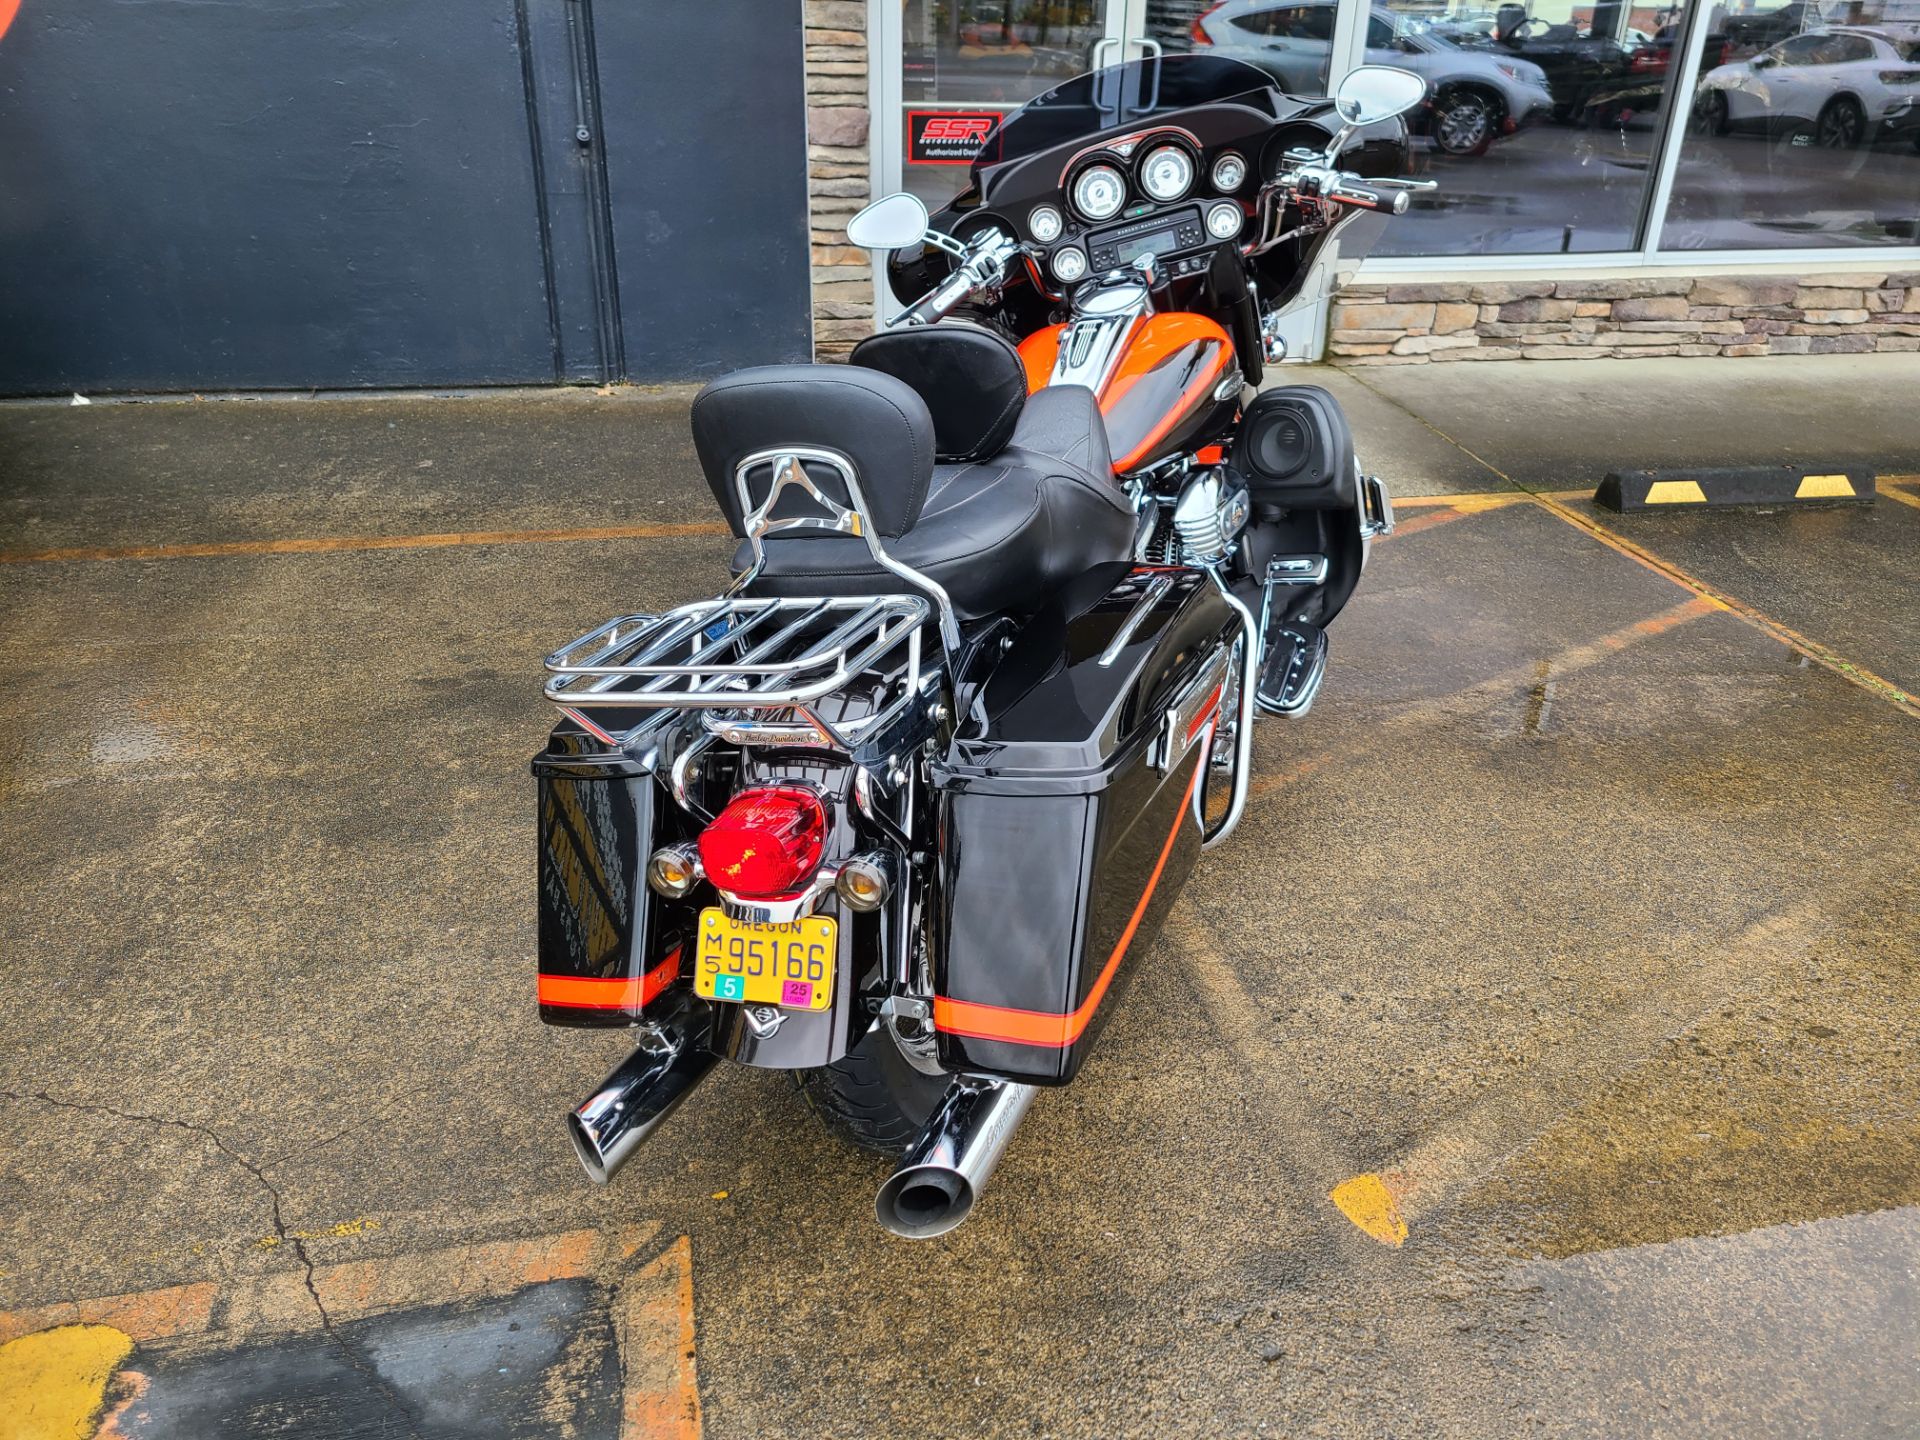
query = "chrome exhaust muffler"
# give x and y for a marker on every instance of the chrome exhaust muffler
(644, 1089)
(949, 1163)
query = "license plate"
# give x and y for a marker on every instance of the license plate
(788, 965)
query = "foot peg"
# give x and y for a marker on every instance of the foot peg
(1296, 570)
(1295, 664)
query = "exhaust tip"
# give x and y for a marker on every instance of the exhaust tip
(587, 1151)
(922, 1201)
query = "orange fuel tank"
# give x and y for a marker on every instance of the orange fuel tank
(1161, 389)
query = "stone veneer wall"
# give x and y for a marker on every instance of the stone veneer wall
(1414, 324)
(837, 171)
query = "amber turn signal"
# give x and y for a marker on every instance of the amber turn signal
(673, 871)
(863, 884)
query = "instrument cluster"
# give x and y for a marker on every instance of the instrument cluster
(1156, 192)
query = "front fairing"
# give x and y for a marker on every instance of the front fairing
(1222, 103)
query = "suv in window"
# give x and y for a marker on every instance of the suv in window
(1472, 98)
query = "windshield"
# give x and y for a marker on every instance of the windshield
(1120, 97)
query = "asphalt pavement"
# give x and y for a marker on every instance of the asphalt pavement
(1538, 1058)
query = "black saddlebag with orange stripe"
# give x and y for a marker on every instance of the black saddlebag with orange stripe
(1066, 815)
(607, 944)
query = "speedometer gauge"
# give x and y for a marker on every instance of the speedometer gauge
(1166, 173)
(1099, 192)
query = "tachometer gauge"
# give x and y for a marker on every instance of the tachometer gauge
(1043, 223)
(1229, 173)
(1166, 173)
(1099, 192)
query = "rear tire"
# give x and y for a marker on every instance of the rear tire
(872, 1097)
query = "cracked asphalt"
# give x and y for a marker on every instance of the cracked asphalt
(1577, 922)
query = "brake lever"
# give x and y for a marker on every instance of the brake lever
(946, 243)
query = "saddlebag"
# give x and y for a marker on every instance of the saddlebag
(1066, 822)
(608, 946)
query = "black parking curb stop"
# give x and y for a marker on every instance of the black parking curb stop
(1734, 486)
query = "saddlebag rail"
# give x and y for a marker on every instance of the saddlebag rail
(741, 658)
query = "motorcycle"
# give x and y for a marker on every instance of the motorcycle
(893, 812)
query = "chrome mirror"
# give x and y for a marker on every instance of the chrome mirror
(1374, 93)
(889, 224)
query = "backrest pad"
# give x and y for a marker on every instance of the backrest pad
(972, 380)
(876, 421)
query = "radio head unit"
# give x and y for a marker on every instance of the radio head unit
(1163, 234)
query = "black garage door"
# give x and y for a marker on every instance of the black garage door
(322, 193)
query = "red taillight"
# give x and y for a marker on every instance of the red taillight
(766, 842)
(1200, 36)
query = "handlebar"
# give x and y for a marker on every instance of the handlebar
(1314, 178)
(1358, 195)
(985, 265)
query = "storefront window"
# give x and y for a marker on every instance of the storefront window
(1541, 123)
(1544, 123)
(967, 62)
(1804, 129)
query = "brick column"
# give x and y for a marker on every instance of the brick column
(837, 170)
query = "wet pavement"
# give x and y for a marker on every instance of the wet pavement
(1573, 931)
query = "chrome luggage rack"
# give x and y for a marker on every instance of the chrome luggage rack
(744, 661)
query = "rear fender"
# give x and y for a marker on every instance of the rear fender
(869, 946)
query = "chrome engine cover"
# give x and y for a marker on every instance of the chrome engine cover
(1208, 517)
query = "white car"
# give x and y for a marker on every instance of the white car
(1472, 97)
(1837, 88)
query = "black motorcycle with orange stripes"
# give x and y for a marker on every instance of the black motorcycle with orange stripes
(897, 811)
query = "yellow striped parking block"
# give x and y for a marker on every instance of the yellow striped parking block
(1746, 485)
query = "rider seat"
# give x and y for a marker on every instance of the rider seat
(997, 496)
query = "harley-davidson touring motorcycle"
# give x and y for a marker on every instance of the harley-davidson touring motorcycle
(894, 812)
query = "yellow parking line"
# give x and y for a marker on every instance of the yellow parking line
(1573, 658)
(61, 1355)
(1759, 619)
(1368, 1202)
(55, 1382)
(1887, 486)
(1475, 500)
(327, 544)
(1554, 502)
(1417, 523)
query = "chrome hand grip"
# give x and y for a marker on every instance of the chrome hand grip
(1345, 193)
(941, 300)
(985, 265)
